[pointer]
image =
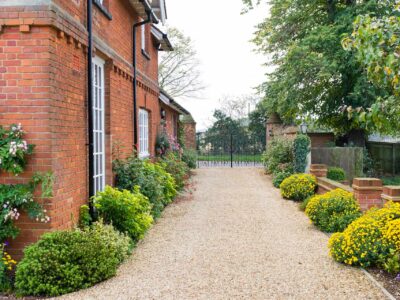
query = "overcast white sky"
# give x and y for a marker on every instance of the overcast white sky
(222, 39)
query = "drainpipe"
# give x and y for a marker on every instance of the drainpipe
(151, 17)
(90, 96)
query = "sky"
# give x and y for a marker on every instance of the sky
(221, 36)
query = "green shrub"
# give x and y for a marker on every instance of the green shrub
(304, 204)
(279, 152)
(128, 212)
(298, 187)
(189, 156)
(164, 179)
(301, 148)
(336, 174)
(7, 266)
(84, 216)
(279, 176)
(370, 239)
(333, 211)
(177, 168)
(134, 172)
(65, 261)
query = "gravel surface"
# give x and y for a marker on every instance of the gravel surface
(235, 238)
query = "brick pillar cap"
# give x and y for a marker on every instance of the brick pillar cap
(318, 166)
(367, 182)
(391, 190)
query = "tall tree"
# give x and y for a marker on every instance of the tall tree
(313, 75)
(179, 73)
(376, 42)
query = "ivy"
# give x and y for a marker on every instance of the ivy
(301, 148)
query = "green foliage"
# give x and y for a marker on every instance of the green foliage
(333, 211)
(65, 261)
(376, 43)
(369, 164)
(258, 123)
(298, 187)
(336, 174)
(391, 262)
(391, 180)
(189, 156)
(304, 204)
(13, 149)
(279, 176)
(313, 75)
(85, 218)
(164, 179)
(132, 172)
(301, 148)
(177, 168)
(128, 212)
(279, 155)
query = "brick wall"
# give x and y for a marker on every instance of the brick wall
(43, 62)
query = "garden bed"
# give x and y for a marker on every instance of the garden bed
(387, 280)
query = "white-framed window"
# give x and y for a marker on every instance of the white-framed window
(143, 37)
(144, 133)
(99, 152)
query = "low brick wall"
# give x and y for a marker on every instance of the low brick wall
(326, 185)
(369, 192)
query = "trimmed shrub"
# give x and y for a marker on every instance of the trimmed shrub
(301, 148)
(279, 152)
(177, 168)
(336, 174)
(333, 211)
(128, 212)
(298, 187)
(369, 240)
(66, 261)
(189, 156)
(135, 172)
(279, 177)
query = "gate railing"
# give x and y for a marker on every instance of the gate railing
(230, 152)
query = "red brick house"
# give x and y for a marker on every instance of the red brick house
(75, 116)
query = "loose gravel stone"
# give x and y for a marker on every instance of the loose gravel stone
(236, 238)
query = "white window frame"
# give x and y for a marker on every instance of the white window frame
(98, 109)
(144, 133)
(143, 37)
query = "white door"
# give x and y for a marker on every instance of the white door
(99, 174)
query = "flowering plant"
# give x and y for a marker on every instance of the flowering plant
(298, 187)
(370, 239)
(333, 211)
(7, 265)
(167, 143)
(14, 198)
(13, 149)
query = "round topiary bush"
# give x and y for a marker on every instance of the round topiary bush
(367, 241)
(298, 187)
(336, 174)
(65, 261)
(333, 211)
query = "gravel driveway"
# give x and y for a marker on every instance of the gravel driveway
(234, 239)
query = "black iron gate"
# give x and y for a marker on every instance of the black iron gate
(229, 150)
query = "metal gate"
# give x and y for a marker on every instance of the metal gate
(229, 150)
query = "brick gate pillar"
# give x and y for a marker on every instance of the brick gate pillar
(368, 192)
